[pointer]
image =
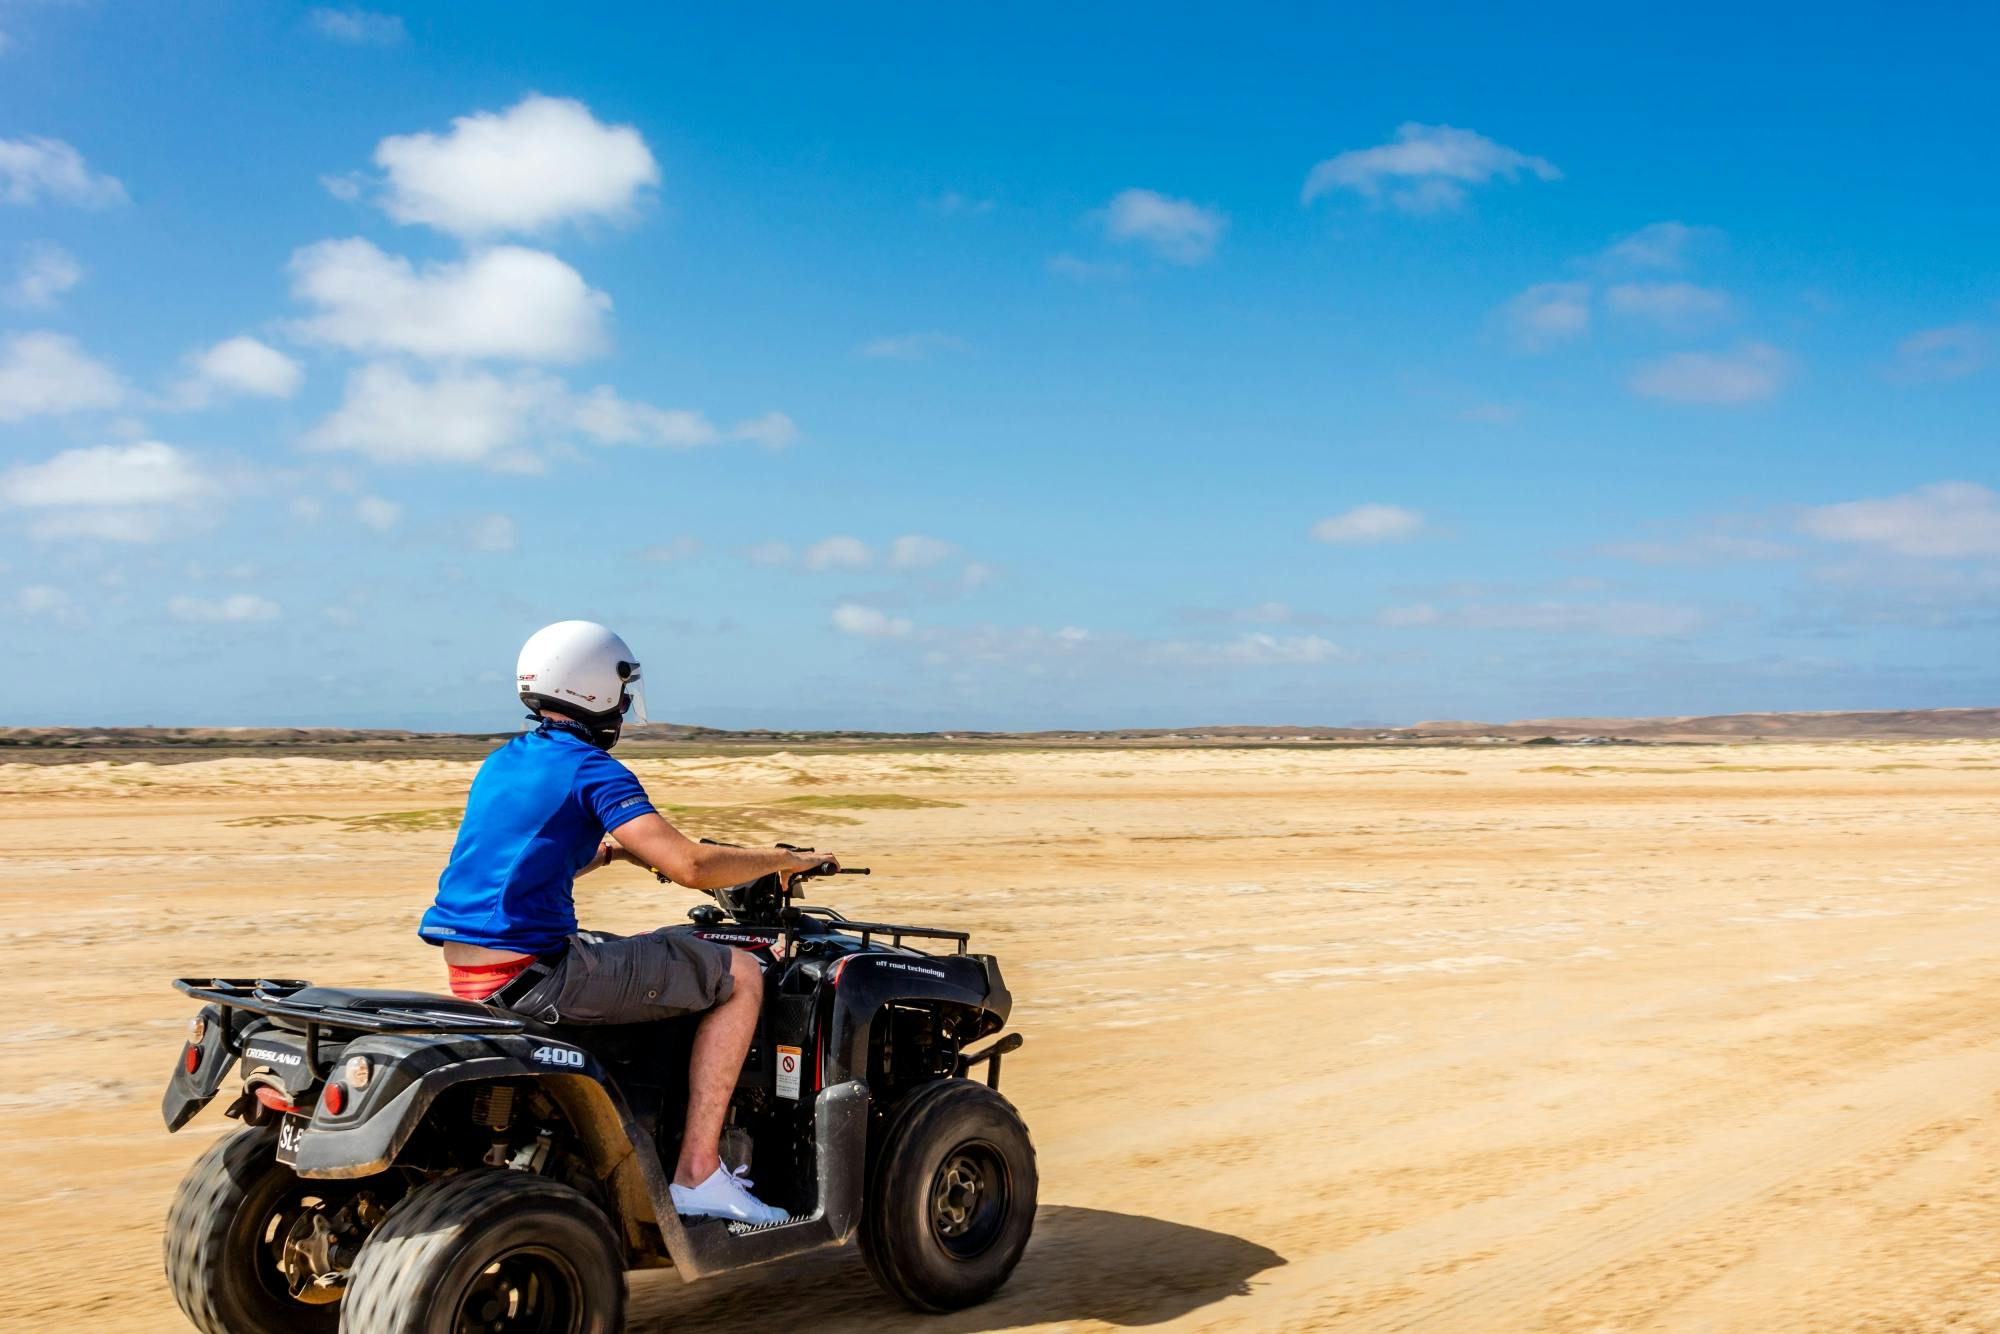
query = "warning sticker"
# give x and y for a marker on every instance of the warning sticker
(788, 1072)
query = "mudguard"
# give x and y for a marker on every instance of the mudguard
(864, 983)
(413, 1070)
(407, 1072)
(188, 1091)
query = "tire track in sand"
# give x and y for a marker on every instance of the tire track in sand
(1495, 1264)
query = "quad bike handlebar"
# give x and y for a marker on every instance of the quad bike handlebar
(766, 899)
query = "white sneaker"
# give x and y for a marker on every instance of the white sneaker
(725, 1196)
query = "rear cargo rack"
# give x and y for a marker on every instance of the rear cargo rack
(273, 997)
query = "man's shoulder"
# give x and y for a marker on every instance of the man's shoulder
(599, 766)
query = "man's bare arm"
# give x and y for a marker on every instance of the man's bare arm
(651, 842)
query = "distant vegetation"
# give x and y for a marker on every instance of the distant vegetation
(172, 744)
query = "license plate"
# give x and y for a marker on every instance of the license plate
(290, 1131)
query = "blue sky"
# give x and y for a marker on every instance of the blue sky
(924, 367)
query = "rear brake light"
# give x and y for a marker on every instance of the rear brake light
(273, 1099)
(190, 1059)
(335, 1099)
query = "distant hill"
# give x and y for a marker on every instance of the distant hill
(46, 743)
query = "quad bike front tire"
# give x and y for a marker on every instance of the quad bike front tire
(951, 1199)
(491, 1250)
(225, 1239)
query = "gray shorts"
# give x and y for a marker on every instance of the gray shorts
(608, 979)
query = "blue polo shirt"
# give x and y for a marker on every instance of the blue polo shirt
(537, 811)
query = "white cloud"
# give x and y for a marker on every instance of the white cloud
(346, 187)
(146, 473)
(680, 548)
(1672, 306)
(1066, 265)
(240, 365)
(952, 203)
(493, 532)
(1946, 520)
(46, 272)
(46, 601)
(34, 169)
(357, 27)
(540, 163)
(1178, 230)
(1698, 549)
(1369, 523)
(770, 553)
(458, 417)
(1253, 650)
(377, 513)
(1949, 353)
(1749, 374)
(49, 373)
(1546, 314)
(912, 347)
(852, 618)
(107, 525)
(1426, 168)
(507, 302)
(605, 417)
(234, 608)
(773, 430)
(1412, 613)
(1659, 245)
(916, 552)
(837, 553)
(1629, 620)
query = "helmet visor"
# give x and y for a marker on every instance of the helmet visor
(633, 702)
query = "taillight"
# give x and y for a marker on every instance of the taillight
(273, 1099)
(190, 1059)
(334, 1100)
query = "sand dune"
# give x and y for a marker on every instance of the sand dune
(1692, 1038)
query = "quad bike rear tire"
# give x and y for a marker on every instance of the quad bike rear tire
(504, 1250)
(951, 1199)
(225, 1233)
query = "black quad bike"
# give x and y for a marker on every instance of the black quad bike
(417, 1164)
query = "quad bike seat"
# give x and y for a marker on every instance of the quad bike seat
(423, 1002)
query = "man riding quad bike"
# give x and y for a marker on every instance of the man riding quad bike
(587, 1103)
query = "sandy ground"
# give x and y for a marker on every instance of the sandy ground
(1691, 1038)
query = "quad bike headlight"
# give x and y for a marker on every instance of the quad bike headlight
(356, 1071)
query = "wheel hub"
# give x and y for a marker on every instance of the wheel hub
(320, 1245)
(955, 1200)
(528, 1291)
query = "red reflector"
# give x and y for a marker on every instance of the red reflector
(336, 1098)
(273, 1099)
(191, 1058)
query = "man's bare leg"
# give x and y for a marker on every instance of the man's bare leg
(720, 1045)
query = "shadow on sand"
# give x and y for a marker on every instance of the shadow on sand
(1083, 1264)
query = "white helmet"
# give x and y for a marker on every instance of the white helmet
(582, 671)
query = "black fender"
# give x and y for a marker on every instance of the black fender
(409, 1071)
(188, 1091)
(863, 983)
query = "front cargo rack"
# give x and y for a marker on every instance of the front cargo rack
(832, 920)
(273, 997)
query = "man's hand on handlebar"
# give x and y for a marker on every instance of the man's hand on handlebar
(808, 862)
